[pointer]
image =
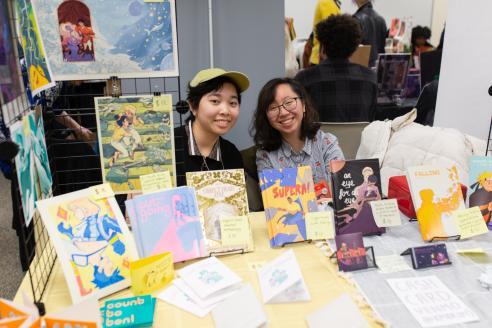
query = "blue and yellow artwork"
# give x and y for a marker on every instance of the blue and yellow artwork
(99, 39)
(92, 242)
(136, 137)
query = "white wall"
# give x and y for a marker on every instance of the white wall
(439, 14)
(466, 70)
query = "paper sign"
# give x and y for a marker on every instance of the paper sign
(151, 273)
(234, 230)
(478, 250)
(470, 222)
(102, 191)
(392, 263)
(319, 225)
(155, 181)
(430, 302)
(162, 103)
(386, 213)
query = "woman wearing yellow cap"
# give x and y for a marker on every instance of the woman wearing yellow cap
(214, 97)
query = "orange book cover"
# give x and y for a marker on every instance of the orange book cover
(436, 193)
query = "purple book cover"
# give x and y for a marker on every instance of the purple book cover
(355, 183)
(351, 254)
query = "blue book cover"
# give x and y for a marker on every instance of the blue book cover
(168, 221)
(129, 312)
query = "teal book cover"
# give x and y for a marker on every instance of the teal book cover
(129, 312)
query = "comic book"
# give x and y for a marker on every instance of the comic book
(167, 221)
(436, 193)
(481, 186)
(221, 194)
(355, 184)
(288, 194)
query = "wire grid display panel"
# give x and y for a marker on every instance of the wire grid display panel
(36, 251)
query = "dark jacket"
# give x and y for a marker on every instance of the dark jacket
(230, 155)
(374, 30)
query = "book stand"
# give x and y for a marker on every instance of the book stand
(371, 259)
(297, 242)
(437, 238)
(235, 251)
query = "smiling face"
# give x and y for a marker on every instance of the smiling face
(286, 121)
(217, 111)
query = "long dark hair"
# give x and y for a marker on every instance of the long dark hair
(264, 135)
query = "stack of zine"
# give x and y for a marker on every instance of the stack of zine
(167, 221)
(202, 286)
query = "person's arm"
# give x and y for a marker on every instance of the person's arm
(81, 132)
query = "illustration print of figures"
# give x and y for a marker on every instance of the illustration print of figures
(482, 196)
(95, 250)
(76, 33)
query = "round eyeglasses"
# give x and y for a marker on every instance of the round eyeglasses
(289, 105)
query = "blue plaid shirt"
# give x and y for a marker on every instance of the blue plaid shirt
(317, 153)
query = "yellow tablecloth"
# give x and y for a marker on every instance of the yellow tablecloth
(321, 276)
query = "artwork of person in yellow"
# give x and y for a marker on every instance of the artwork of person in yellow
(133, 121)
(324, 9)
(294, 215)
(122, 140)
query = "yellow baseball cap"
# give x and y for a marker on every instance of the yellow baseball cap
(208, 74)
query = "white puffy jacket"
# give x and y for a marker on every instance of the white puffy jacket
(401, 143)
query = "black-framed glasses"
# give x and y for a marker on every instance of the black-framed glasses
(289, 105)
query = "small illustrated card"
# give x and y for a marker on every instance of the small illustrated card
(431, 302)
(386, 213)
(351, 253)
(244, 305)
(155, 182)
(151, 273)
(13, 315)
(173, 295)
(208, 277)
(281, 280)
(342, 313)
(319, 225)
(470, 222)
(235, 230)
(428, 256)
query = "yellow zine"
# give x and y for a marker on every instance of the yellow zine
(234, 230)
(319, 225)
(102, 191)
(155, 181)
(151, 273)
(470, 222)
